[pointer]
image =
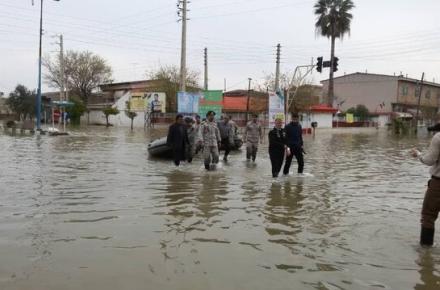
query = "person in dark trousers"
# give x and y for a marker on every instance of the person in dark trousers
(431, 202)
(277, 147)
(295, 143)
(227, 136)
(178, 139)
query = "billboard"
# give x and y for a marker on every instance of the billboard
(188, 102)
(211, 101)
(148, 101)
(155, 102)
(276, 108)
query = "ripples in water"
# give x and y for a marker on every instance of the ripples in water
(72, 204)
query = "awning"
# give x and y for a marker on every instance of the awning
(403, 115)
(62, 103)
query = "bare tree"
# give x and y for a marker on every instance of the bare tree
(84, 72)
(170, 77)
(298, 87)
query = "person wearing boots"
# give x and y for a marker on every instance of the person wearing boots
(227, 136)
(210, 139)
(277, 147)
(253, 136)
(178, 139)
(431, 202)
(192, 133)
(295, 143)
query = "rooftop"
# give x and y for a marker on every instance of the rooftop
(395, 77)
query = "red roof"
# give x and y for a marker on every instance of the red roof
(323, 109)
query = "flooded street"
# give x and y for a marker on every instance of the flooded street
(93, 211)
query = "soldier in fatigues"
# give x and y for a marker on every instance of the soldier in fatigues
(193, 137)
(210, 138)
(227, 136)
(253, 135)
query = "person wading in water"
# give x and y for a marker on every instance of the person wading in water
(277, 147)
(178, 139)
(431, 202)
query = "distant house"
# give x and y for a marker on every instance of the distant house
(385, 94)
(322, 115)
(235, 104)
(5, 112)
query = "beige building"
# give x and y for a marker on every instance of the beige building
(385, 94)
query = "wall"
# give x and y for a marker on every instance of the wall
(381, 120)
(324, 120)
(366, 89)
(408, 94)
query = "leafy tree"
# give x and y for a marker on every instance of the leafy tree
(76, 111)
(360, 111)
(84, 71)
(170, 77)
(333, 21)
(130, 114)
(22, 101)
(109, 111)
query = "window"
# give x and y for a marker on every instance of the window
(428, 94)
(404, 90)
(417, 91)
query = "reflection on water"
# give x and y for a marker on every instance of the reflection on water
(429, 272)
(92, 210)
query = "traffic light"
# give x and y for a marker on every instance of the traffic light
(335, 64)
(319, 64)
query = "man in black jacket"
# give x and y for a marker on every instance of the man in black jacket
(178, 139)
(295, 143)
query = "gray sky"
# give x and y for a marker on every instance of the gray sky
(387, 36)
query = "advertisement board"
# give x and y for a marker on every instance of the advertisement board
(211, 101)
(276, 108)
(188, 103)
(148, 101)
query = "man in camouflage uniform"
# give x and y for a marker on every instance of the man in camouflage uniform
(193, 137)
(253, 136)
(210, 138)
(226, 135)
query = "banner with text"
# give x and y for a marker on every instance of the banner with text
(276, 108)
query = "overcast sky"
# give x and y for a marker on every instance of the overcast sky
(387, 36)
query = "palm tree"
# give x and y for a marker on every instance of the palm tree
(333, 21)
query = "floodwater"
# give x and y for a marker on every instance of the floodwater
(93, 211)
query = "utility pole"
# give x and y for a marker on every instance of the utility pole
(224, 84)
(247, 102)
(206, 68)
(62, 76)
(277, 72)
(182, 12)
(62, 73)
(39, 70)
(418, 102)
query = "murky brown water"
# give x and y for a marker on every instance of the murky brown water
(92, 211)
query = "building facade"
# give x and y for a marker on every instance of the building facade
(385, 94)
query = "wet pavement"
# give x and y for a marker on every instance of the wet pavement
(93, 211)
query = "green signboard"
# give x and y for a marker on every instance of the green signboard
(211, 101)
